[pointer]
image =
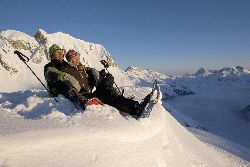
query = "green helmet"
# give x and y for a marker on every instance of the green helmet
(53, 48)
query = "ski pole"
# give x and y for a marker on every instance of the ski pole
(106, 66)
(25, 59)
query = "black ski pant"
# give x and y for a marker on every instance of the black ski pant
(110, 96)
(107, 95)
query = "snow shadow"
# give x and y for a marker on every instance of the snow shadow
(35, 104)
(11, 100)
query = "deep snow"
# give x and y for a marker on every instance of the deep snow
(37, 131)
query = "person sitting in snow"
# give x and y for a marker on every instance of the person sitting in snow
(92, 74)
(63, 78)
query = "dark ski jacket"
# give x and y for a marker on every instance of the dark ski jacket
(92, 74)
(55, 73)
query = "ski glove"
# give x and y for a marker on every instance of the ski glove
(102, 73)
(108, 80)
(72, 81)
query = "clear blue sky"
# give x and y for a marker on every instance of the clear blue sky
(171, 36)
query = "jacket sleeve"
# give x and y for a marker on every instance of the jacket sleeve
(53, 75)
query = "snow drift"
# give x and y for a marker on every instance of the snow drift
(36, 131)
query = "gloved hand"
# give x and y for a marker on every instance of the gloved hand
(102, 73)
(108, 80)
(82, 101)
(69, 78)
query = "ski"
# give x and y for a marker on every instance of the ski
(146, 112)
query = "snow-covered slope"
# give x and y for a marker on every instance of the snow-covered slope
(14, 71)
(37, 131)
(212, 100)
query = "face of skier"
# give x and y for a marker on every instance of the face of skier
(76, 60)
(58, 55)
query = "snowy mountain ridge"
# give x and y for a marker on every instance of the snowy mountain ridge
(146, 75)
(36, 48)
(224, 72)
